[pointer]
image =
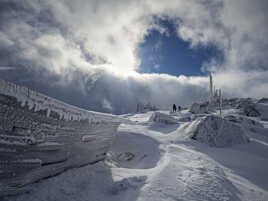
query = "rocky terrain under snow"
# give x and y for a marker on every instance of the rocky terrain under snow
(163, 156)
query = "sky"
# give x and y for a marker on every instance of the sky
(108, 55)
(168, 53)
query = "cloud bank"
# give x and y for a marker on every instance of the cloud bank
(85, 52)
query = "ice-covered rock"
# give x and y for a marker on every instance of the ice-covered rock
(216, 131)
(126, 184)
(248, 123)
(162, 118)
(238, 102)
(248, 107)
(263, 100)
(242, 120)
(141, 107)
(263, 110)
(184, 119)
(198, 108)
(251, 111)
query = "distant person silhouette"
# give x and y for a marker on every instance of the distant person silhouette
(174, 108)
(179, 108)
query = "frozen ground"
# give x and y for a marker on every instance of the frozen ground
(152, 161)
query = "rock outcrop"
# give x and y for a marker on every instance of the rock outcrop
(218, 132)
(198, 108)
(163, 118)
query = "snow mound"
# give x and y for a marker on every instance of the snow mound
(248, 108)
(184, 119)
(163, 118)
(198, 108)
(263, 109)
(244, 121)
(218, 132)
(263, 100)
(127, 183)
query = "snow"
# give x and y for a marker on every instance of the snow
(38, 101)
(263, 109)
(124, 152)
(87, 138)
(154, 161)
(197, 108)
(49, 146)
(162, 118)
(216, 131)
(248, 108)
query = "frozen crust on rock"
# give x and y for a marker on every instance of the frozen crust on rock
(218, 132)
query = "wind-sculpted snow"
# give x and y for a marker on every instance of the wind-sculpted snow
(246, 122)
(39, 102)
(41, 137)
(151, 161)
(163, 118)
(124, 152)
(190, 175)
(248, 108)
(218, 132)
(263, 110)
(198, 108)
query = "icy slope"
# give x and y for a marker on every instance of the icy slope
(36, 101)
(152, 161)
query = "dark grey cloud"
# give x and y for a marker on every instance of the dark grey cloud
(94, 92)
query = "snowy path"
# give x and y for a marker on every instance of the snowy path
(154, 162)
(189, 176)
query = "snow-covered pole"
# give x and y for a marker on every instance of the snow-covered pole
(210, 89)
(220, 100)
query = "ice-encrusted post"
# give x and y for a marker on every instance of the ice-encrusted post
(210, 89)
(220, 100)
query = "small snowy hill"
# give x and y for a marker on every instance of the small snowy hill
(218, 132)
(163, 156)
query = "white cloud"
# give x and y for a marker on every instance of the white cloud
(6, 68)
(99, 39)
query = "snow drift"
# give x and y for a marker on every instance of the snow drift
(197, 108)
(248, 108)
(218, 132)
(263, 109)
(163, 118)
(246, 122)
(125, 154)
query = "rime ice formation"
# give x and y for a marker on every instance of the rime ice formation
(214, 100)
(145, 107)
(262, 108)
(210, 89)
(198, 108)
(41, 137)
(248, 107)
(215, 96)
(218, 132)
(154, 156)
(40, 102)
(162, 118)
(151, 161)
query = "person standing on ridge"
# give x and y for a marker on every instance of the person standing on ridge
(174, 108)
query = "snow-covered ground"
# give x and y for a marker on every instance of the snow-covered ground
(156, 161)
